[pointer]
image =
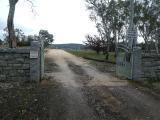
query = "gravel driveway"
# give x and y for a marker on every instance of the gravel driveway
(84, 93)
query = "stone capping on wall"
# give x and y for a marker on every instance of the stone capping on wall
(15, 50)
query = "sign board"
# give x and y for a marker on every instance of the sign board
(33, 54)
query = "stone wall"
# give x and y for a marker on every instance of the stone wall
(14, 64)
(22, 64)
(150, 66)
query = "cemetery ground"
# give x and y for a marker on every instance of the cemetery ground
(77, 89)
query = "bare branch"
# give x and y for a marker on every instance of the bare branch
(32, 7)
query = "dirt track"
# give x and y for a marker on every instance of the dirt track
(83, 93)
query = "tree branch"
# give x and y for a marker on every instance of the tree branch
(32, 6)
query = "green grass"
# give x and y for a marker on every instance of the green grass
(103, 66)
(93, 55)
(151, 85)
(112, 57)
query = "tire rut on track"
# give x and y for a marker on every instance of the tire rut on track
(100, 108)
(85, 93)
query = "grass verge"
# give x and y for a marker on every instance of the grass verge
(153, 86)
(89, 54)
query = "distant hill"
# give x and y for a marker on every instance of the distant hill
(70, 46)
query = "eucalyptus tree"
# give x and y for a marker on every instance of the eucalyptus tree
(10, 22)
(46, 37)
(98, 10)
(1, 42)
(94, 43)
(110, 19)
(147, 19)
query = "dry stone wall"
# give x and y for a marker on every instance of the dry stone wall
(22, 64)
(150, 66)
(14, 64)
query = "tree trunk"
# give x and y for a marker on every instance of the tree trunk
(147, 49)
(10, 24)
(97, 51)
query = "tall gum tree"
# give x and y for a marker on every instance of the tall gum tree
(10, 24)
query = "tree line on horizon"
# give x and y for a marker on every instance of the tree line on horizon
(111, 18)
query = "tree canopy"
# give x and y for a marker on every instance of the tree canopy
(46, 37)
(112, 18)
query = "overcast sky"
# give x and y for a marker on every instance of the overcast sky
(67, 20)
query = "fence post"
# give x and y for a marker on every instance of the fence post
(136, 63)
(35, 73)
(42, 58)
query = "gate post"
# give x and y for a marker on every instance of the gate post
(136, 60)
(35, 74)
(129, 62)
(42, 57)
